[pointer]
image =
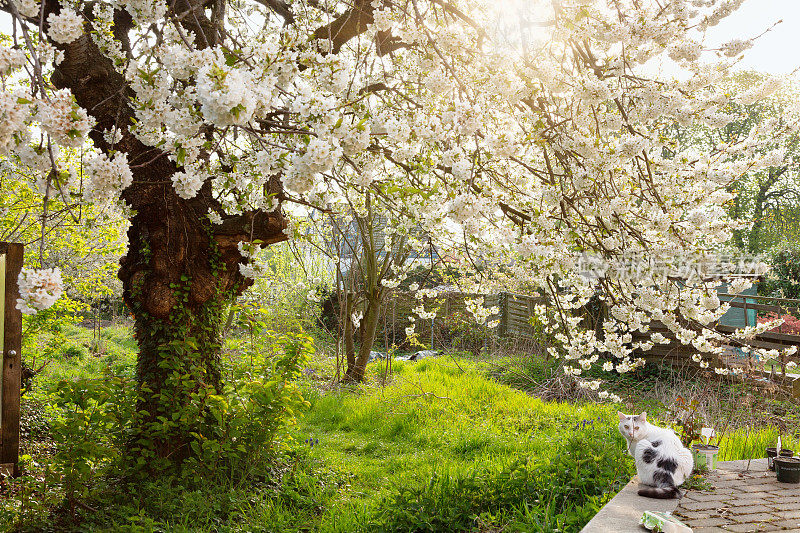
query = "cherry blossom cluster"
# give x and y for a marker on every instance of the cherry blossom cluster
(65, 27)
(65, 122)
(107, 176)
(10, 60)
(38, 289)
(514, 155)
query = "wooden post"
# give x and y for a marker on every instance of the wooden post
(12, 361)
(746, 316)
(503, 301)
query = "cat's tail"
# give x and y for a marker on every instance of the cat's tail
(660, 492)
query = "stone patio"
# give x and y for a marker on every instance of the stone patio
(746, 497)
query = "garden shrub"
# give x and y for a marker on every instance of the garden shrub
(87, 426)
(34, 425)
(784, 278)
(252, 412)
(89, 431)
(460, 331)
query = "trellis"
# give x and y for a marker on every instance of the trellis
(11, 256)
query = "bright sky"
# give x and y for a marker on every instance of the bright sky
(775, 52)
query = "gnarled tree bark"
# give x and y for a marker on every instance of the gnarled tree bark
(179, 270)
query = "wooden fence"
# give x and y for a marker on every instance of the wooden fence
(11, 256)
(514, 314)
(516, 311)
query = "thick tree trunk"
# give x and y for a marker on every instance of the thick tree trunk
(178, 276)
(177, 280)
(180, 269)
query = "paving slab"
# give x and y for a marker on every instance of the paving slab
(622, 513)
(753, 500)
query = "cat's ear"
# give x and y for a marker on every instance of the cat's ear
(642, 417)
(622, 416)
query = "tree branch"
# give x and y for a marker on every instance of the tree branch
(281, 8)
(350, 24)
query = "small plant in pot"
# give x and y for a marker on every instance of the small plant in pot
(787, 469)
(777, 451)
(687, 419)
(705, 453)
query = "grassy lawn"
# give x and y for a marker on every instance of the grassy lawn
(438, 420)
(446, 444)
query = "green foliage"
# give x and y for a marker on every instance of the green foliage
(70, 358)
(697, 481)
(251, 413)
(751, 443)
(286, 298)
(231, 431)
(78, 432)
(84, 242)
(444, 441)
(461, 332)
(89, 431)
(688, 420)
(784, 279)
(45, 334)
(437, 430)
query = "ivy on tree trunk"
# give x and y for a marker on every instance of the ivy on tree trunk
(180, 270)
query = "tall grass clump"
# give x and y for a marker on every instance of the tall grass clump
(750, 443)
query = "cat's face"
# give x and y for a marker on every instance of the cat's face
(632, 427)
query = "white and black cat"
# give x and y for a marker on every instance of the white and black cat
(662, 461)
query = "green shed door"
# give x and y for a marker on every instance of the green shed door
(735, 316)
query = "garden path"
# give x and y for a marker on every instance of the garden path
(745, 497)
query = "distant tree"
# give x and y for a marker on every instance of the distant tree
(784, 278)
(766, 201)
(369, 250)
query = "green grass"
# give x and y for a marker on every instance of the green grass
(750, 443)
(442, 447)
(80, 355)
(435, 428)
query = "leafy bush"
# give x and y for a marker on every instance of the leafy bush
(461, 332)
(89, 432)
(252, 412)
(72, 350)
(85, 426)
(34, 424)
(784, 278)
